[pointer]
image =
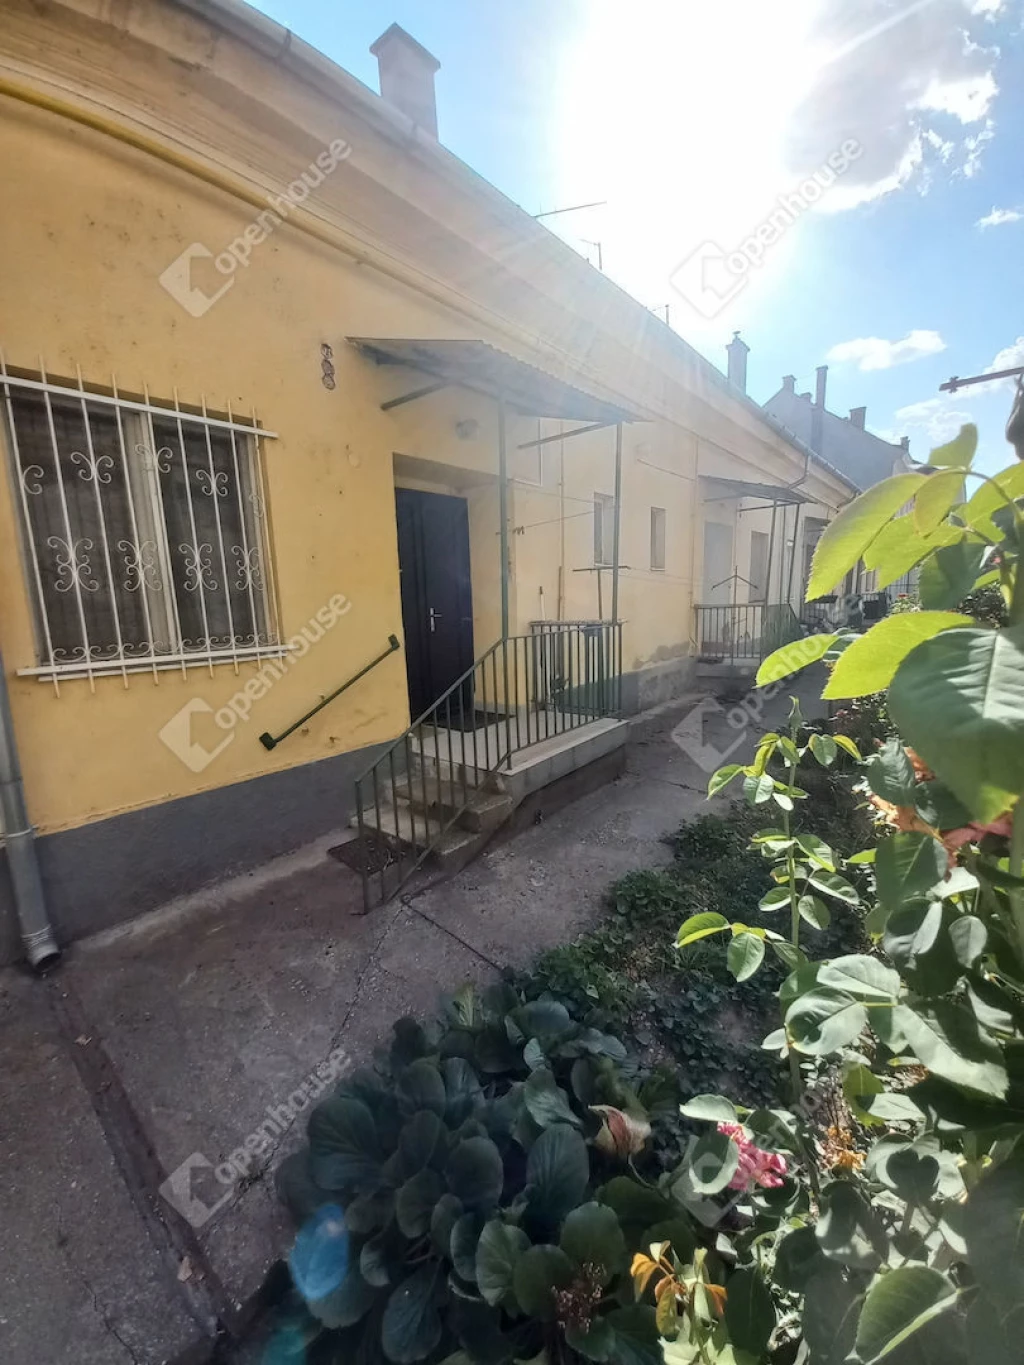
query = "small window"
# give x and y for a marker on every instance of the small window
(144, 531)
(658, 538)
(604, 529)
(758, 566)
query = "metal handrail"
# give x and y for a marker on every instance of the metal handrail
(270, 741)
(522, 690)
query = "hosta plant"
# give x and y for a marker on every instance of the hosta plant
(479, 1195)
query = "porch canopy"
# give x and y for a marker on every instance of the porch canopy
(476, 365)
(774, 496)
(483, 368)
(718, 489)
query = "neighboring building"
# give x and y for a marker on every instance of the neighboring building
(283, 379)
(844, 442)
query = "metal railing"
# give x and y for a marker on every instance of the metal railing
(523, 690)
(745, 632)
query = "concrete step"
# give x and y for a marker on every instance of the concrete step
(399, 822)
(477, 808)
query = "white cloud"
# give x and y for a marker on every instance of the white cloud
(998, 217)
(912, 82)
(873, 353)
(938, 418)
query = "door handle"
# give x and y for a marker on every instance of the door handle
(434, 616)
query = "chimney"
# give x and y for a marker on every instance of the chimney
(789, 383)
(738, 351)
(818, 411)
(905, 444)
(407, 77)
(857, 417)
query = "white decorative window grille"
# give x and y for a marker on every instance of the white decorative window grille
(144, 528)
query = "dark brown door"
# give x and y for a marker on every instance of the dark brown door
(437, 603)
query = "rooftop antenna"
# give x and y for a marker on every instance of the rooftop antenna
(573, 208)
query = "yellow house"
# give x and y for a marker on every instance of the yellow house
(292, 397)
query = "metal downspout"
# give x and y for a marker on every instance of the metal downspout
(19, 836)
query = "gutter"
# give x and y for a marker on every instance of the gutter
(19, 838)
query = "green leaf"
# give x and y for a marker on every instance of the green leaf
(411, 1326)
(993, 1219)
(462, 1090)
(749, 1312)
(422, 1142)
(861, 976)
(348, 1304)
(946, 1039)
(959, 451)
(986, 499)
(711, 1163)
(758, 788)
(744, 955)
(591, 1236)
(475, 1173)
(793, 657)
(814, 911)
(890, 774)
(415, 1202)
(712, 1108)
(723, 777)
(817, 851)
(557, 1172)
(700, 926)
(907, 866)
(539, 1272)
(497, 1252)
(544, 1019)
(936, 498)
(871, 662)
(447, 1213)
(834, 885)
(596, 1343)
(823, 1021)
(899, 1304)
(846, 538)
(848, 1230)
(546, 1100)
(969, 936)
(420, 1086)
(959, 700)
(948, 576)
(860, 1084)
(824, 749)
(831, 1303)
(798, 1258)
(847, 744)
(899, 547)
(344, 1149)
(462, 1247)
(634, 1203)
(774, 899)
(636, 1335)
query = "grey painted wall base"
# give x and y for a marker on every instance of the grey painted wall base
(650, 686)
(109, 871)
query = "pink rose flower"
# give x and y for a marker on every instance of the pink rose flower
(756, 1166)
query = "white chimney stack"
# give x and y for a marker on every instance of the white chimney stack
(407, 76)
(738, 350)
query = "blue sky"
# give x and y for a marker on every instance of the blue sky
(690, 118)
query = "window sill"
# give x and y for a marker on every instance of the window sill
(159, 663)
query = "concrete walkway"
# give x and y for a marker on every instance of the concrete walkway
(187, 1048)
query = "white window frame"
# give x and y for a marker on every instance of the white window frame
(143, 564)
(659, 530)
(604, 530)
